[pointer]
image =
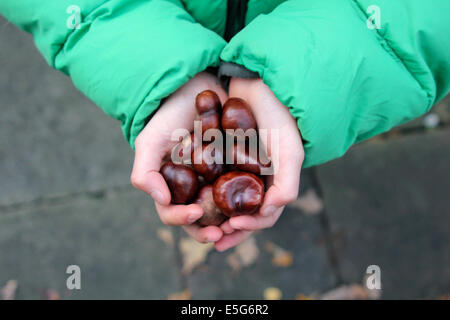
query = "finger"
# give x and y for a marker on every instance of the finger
(284, 146)
(255, 222)
(226, 227)
(176, 215)
(154, 185)
(145, 175)
(231, 240)
(204, 235)
(286, 178)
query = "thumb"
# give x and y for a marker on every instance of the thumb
(286, 179)
(145, 175)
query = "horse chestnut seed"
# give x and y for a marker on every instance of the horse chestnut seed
(205, 164)
(208, 108)
(238, 193)
(248, 161)
(212, 216)
(236, 114)
(182, 182)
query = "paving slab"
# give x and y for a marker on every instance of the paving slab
(53, 140)
(112, 239)
(310, 273)
(388, 205)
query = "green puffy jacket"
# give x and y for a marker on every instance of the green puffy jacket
(342, 79)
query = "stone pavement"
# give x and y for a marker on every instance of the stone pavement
(399, 220)
(65, 199)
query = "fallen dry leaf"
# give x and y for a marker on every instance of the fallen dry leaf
(244, 254)
(8, 292)
(309, 203)
(247, 251)
(183, 295)
(301, 296)
(280, 256)
(166, 236)
(282, 259)
(233, 262)
(194, 253)
(272, 293)
(351, 292)
(51, 294)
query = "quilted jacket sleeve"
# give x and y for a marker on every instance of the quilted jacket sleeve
(126, 55)
(341, 79)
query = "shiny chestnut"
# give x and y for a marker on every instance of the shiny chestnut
(209, 109)
(212, 216)
(247, 160)
(238, 193)
(182, 182)
(205, 164)
(236, 114)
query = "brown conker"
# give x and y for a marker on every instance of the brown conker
(209, 109)
(245, 160)
(212, 216)
(236, 114)
(238, 193)
(204, 162)
(182, 182)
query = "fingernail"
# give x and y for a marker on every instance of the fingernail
(269, 210)
(192, 218)
(157, 196)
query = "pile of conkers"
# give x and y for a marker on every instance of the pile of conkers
(222, 190)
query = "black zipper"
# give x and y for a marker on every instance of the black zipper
(236, 12)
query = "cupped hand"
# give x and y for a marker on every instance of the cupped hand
(272, 115)
(154, 145)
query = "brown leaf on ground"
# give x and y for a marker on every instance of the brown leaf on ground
(183, 295)
(166, 235)
(272, 293)
(301, 296)
(309, 203)
(351, 292)
(233, 262)
(194, 253)
(51, 294)
(8, 292)
(247, 251)
(280, 256)
(243, 255)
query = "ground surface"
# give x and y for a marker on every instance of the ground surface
(65, 199)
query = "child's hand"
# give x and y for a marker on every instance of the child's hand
(154, 144)
(269, 114)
